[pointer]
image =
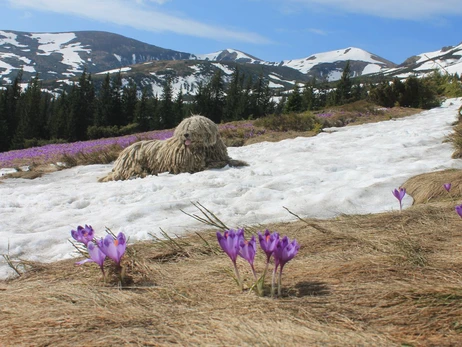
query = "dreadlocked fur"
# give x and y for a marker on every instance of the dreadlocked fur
(195, 146)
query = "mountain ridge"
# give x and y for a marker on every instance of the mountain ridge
(63, 56)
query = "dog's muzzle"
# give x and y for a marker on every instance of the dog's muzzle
(187, 140)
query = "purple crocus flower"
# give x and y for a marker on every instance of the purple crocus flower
(447, 186)
(399, 194)
(82, 234)
(284, 252)
(96, 256)
(247, 250)
(459, 210)
(114, 248)
(268, 242)
(230, 242)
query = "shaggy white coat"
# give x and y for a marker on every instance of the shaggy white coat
(195, 146)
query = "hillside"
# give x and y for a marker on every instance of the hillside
(59, 58)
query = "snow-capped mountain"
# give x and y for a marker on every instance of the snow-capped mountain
(66, 55)
(446, 60)
(330, 65)
(59, 58)
(230, 55)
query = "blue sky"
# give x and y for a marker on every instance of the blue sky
(271, 30)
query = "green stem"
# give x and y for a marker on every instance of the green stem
(254, 273)
(272, 282)
(279, 281)
(238, 277)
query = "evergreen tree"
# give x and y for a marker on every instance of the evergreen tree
(280, 106)
(202, 99)
(178, 109)
(343, 91)
(4, 143)
(116, 105)
(168, 119)
(398, 90)
(260, 98)
(358, 92)
(30, 124)
(411, 96)
(103, 116)
(13, 93)
(216, 92)
(129, 101)
(294, 101)
(308, 97)
(82, 100)
(73, 131)
(245, 99)
(142, 112)
(233, 101)
(58, 121)
(154, 112)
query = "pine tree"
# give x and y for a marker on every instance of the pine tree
(13, 93)
(30, 123)
(178, 109)
(233, 97)
(166, 106)
(103, 115)
(142, 112)
(308, 97)
(129, 101)
(216, 92)
(343, 91)
(294, 101)
(260, 98)
(116, 106)
(87, 99)
(4, 144)
(58, 121)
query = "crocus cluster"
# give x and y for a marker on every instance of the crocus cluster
(98, 250)
(282, 250)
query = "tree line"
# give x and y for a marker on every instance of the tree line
(32, 116)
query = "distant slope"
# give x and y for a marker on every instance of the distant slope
(445, 60)
(329, 65)
(62, 55)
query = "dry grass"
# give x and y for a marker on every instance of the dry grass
(379, 280)
(429, 186)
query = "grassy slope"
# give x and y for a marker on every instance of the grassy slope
(383, 280)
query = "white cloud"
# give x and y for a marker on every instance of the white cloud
(317, 31)
(140, 15)
(397, 9)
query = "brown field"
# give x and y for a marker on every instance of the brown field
(389, 279)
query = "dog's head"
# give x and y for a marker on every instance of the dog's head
(197, 131)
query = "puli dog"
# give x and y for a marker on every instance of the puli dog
(195, 146)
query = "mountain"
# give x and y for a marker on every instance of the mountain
(66, 55)
(330, 65)
(59, 58)
(230, 55)
(446, 60)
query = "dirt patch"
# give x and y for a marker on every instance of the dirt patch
(34, 171)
